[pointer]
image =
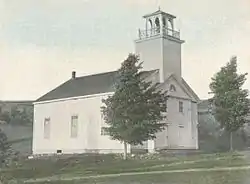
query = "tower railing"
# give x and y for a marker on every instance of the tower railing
(158, 31)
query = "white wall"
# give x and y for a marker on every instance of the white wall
(195, 137)
(160, 53)
(181, 132)
(150, 52)
(171, 57)
(90, 123)
(89, 126)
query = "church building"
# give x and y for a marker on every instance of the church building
(68, 119)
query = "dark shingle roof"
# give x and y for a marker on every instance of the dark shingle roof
(86, 85)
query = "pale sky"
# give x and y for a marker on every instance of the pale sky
(42, 41)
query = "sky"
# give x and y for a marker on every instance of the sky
(43, 41)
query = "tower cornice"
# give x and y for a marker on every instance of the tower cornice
(159, 12)
(160, 36)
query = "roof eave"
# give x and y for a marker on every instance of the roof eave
(191, 90)
(161, 13)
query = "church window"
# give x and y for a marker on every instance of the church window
(150, 24)
(180, 106)
(157, 25)
(47, 128)
(104, 131)
(74, 126)
(172, 88)
(150, 27)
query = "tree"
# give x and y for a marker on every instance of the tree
(135, 112)
(231, 105)
(20, 117)
(7, 156)
(5, 116)
(4, 148)
(17, 117)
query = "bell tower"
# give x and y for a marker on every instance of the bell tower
(159, 44)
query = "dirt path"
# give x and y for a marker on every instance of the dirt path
(136, 173)
(181, 162)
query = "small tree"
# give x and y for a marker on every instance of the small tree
(4, 148)
(7, 156)
(231, 105)
(5, 116)
(135, 112)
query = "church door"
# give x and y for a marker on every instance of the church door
(181, 135)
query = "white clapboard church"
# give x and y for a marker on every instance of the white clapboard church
(68, 119)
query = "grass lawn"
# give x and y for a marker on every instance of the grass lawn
(235, 177)
(86, 165)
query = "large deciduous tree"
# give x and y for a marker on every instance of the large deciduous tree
(231, 105)
(135, 112)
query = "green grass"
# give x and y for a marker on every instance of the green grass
(154, 166)
(93, 164)
(235, 177)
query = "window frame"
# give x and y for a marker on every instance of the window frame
(181, 107)
(74, 132)
(103, 132)
(172, 88)
(46, 128)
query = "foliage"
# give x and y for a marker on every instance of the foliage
(230, 102)
(136, 110)
(7, 156)
(208, 126)
(5, 116)
(212, 138)
(17, 117)
(20, 117)
(4, 149)
(64, 166)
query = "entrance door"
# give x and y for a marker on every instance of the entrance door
(181, 136)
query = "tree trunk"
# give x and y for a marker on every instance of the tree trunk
(231, 141)
(125, 151)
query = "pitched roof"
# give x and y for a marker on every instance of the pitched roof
(183, 84)
(190, 90)
(85, 85)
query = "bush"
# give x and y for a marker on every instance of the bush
(7, 157)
